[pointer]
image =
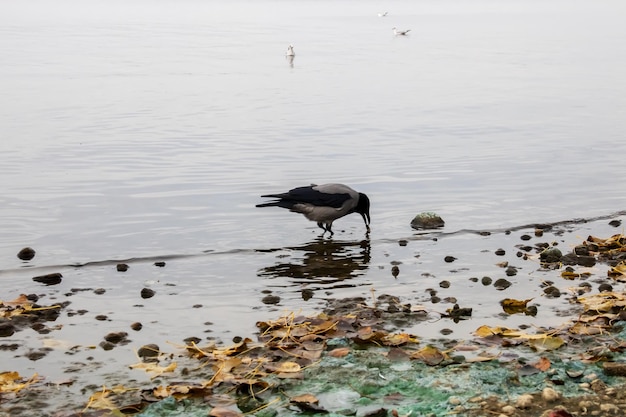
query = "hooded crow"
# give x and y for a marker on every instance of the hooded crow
(323, 203)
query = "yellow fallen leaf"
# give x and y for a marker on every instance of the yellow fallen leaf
(13, 382)
(153, 369)
(100, 401)
(430, 355)
(288, 367)
(486, 331)
(546, 342)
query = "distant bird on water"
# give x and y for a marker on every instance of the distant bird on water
(400, 32)
(290, 51)
(323, 203)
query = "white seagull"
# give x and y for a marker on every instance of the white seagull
(383, 14)
(290, 51)
(323, 204)
(400, 32)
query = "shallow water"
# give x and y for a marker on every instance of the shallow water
(148, 131)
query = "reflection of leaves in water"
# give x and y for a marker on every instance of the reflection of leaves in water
(322, 262)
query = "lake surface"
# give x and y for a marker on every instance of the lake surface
(147, 130)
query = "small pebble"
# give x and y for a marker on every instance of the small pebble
(270, 299)
(508, 410)
(115, 337)
(26, 254)
(454, 401)
(6, 329)
(395, 270)
(550, 394)
(449, 259)
(500, 252)
(502, 284)
(49, 279)
(525, 237)
(524, 401)
(147, 293)
(444, 284)
(160, 264)
(136, 326)
(403, 242)
(610, 409)
(486, 281)
(148, 351)
(538, 232)
(122, 267)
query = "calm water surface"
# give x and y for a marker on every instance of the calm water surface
(148, 130)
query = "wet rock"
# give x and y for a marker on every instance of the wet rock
(49, 279)
(551, 255)
(147, 293)
(307, 294)
(136, 326)
(524, 401)
(403, 242)
(573, 259)
(395, 271)
(160, 264)
(615, 223)
(525, 237)
(99, 291)
(552, 292)
(605, 287)
(26, 254)
(427, 220)
(35, 355)
(106, 345)
(148, 351)
(270, 299)
(101, 317)
(550, 394)
(116, 337)
(486, 281)
(449, 259)
(192, 340)
(444, 284)
(511, 271)
(502, 284)
(500, 252)
(614, 368)
(122, 267)
(581, 250)
(6, 329)
(538, 232)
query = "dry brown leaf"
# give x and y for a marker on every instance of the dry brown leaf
(339, 352)
(543, 364)
(288, 367)
(224, 412)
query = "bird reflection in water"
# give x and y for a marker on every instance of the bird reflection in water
(321, 264)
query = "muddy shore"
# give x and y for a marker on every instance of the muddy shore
(65, 350)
